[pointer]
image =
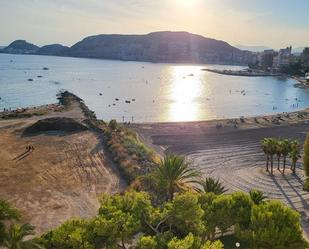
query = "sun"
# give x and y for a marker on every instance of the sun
(188, 3)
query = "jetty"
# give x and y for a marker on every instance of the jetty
(247, 73)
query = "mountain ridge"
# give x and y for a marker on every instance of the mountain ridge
(161, 46)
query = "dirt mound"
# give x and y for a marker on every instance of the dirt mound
(56, 124)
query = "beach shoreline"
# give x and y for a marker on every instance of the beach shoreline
(301, 82)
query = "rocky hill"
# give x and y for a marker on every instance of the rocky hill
(21, 47)
(159, 47)
(53, 49)
(165, 46)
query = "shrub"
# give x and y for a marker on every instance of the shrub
(274, 225)
(113, 124)
(146, 242)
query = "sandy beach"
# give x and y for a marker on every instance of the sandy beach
(234, 155)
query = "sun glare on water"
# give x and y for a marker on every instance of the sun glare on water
(185, 91)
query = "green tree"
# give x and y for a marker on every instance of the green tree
(121, 217)
(185, 214)
(191, 242)
(222, 208)
(174, 172)
(257, 196)
(306, 156)
(14, 237)
(73, 234)
(286, 148)
(210, 185)
(213, 245)
(294, 154)
(241, 206)
(147, 242)
(273, 225)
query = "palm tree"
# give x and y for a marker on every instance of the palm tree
(272, 146)
(175, 172)
(279, 152)
(211, 185)
(15, 237)
(286, 148)
(257, 196)
(294, 154)
(265, 146)
(7, 213)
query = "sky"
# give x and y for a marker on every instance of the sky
(272, 23)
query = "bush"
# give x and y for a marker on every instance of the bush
(113, 124)
(146, 242)
(73, 234)
(274, 225)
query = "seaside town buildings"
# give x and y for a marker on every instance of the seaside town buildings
(273, 60)
(282, 58)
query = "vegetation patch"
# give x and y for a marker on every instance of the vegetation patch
(133, 157)
(23, 113)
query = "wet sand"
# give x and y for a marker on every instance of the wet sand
(234, 155)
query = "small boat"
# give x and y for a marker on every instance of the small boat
(116, 99)
(100, 94)
(128, 101)
(39, 76)
(30, 79)
(133, 99)
(45, 68)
